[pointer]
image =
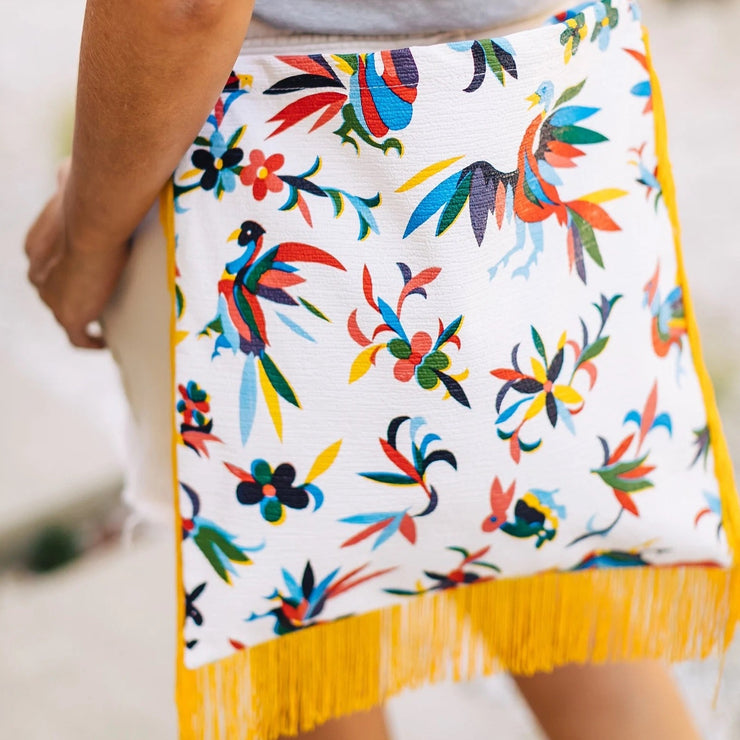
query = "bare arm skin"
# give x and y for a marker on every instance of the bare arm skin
(150, 72)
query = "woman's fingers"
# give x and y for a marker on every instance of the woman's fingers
(80, 333)
(44, 242)
(74, 284)
(80, 338)
(42, 246)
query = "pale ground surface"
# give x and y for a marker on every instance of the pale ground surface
(87, 653)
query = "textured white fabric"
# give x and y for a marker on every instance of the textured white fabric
(337, 216)
(136, 320)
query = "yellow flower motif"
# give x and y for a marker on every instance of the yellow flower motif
(562, 392)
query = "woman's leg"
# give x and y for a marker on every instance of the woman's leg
(360, 726)
(620, 701)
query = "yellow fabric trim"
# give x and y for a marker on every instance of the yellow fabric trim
(523, 625)
(722, 462)
(167, 219)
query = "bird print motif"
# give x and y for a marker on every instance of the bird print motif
(240, 324)
(535, 513)
(529, 194)
(371, 103)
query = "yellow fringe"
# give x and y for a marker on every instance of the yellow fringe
(523, 625)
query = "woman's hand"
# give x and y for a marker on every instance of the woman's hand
(150, 73)
(75, 280)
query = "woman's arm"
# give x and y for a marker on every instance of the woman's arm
(150, 72)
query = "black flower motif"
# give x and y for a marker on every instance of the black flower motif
(273, 490)
(215, 167)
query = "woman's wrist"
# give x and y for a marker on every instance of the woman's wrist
(87, 227)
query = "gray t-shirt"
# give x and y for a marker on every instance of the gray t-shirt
(389, 17)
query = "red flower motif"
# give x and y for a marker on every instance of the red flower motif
(187, 405)
(404, 368)
(260, 173)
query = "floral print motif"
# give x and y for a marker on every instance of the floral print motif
(574, 32)
(647, 176)
(195, 427)
(494, 54)
(217, 545)
(468, 571)
(626, 469)
(606, 18)
(219, 163)
(412, 473)
(713, 509)
(417, 356)
(274, 491)
(300, 606)
(560, 401)
(642, 89)
(260, 175)
(668, 324)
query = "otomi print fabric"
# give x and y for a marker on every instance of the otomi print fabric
(430, 331)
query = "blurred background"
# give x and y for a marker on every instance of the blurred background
(86, 603)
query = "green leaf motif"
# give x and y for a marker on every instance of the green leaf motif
(399, 349)
(206, 547)
(235, 137)
(492, 59)
(393, 479)
(588, 238)
(592, 350)
(262, 472)
(214, 325)
(400, 592)
(351, 60)
(228, 548)
(278, 381)
(539, 345)
(611, 476)
(315, 311)
(436, 360)
(336, 199)
(571, 92)
(273, 510)
(426, 378)
(455, 205)
(577, 135)
(449, 331)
